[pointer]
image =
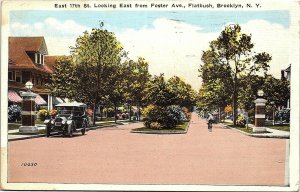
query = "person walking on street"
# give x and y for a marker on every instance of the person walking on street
(210, 120)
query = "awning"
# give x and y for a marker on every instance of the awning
(39, 100)
(57, 100)
(14, 97)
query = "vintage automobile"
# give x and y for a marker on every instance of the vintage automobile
(70, 118)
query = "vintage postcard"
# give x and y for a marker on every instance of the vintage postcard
(150, 95)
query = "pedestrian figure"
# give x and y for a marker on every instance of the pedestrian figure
(210, 120)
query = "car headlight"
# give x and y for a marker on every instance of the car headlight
(52, 121)
(64, 122)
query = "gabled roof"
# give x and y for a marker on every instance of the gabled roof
(20, 47)
(288, 69)
(50, 61)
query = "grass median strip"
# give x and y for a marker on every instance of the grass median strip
(180, 128)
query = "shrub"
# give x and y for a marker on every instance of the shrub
(176, 113)
(109, 111)
(187, 113)
(167, 117)
(14, 113)
(155, 125)
(283, 115)
(43, 114)
(241, 121)
(53, 113)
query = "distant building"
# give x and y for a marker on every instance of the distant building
(28, 61)
(286, 73)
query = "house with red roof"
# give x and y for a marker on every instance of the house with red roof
(29, 61)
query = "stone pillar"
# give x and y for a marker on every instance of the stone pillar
(260, 115)
(28, 113)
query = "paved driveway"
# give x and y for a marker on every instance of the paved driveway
(116, 156)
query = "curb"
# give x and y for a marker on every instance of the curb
(28, 137)
(163, 133)
(261, 135)
(43, 135)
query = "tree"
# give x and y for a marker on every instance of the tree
(137, 76)
(117, 97)
(63, 81)
(228, 109)
(184, 94)
(95, 55)
(213, 94)
(277, 91)
(249, 85)
(157, 92)
(233, 52)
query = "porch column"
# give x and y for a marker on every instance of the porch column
(50, 102)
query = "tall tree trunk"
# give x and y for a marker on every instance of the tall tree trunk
(115, 108)
(130, 112)
(101, 113)
(219, 114)
(234, 100)
(138, 113)
(94, 113)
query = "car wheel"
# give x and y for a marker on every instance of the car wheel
(48, 132)
(83, 130)
(70, 131)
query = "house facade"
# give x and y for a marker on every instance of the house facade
(29, 61)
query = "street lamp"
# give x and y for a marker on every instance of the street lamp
(29, 86)
(273, 110)
(260, 93)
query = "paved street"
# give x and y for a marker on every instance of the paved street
(116, 156)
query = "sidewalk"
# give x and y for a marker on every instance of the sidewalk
(13, 134)
(274, 133)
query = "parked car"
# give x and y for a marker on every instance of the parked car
(70, 118)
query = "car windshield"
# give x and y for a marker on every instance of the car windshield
(68, 110)
(64, 110)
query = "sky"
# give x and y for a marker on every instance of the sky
(171, 41)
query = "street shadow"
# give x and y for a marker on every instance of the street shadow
(59, 135)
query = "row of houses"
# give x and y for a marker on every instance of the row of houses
(29, 61)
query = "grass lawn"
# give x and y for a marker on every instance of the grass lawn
(247, 130)
(226, 123)
(12, 126)
(280, 127)
(105, 124)
(105, 119)
(180, 128)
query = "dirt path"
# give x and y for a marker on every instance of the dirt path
(116, 156)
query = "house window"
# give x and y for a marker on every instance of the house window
(11, 76)
(39, 58)
(18, 76)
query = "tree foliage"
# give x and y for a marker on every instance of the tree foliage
(184, 95)
(63, 80)
(228, 58)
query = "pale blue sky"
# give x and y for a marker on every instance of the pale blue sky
(210, 21)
